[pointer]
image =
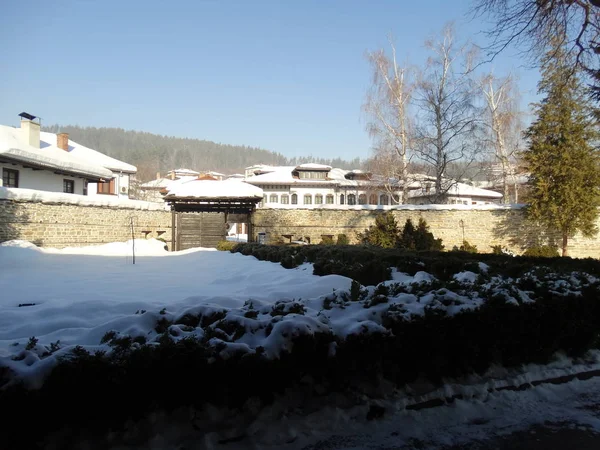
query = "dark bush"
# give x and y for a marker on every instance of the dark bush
(226, 245)
(542, 251)
(467, 247)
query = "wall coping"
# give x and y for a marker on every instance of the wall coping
(53, 198)
(393, 207)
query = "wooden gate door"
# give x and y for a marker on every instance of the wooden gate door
(200, 230)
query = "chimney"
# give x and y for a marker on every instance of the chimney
(62, 141)
(172, 174)
(30, 132)
(158, 175)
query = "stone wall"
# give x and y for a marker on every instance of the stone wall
(481, 227)
(66, 225)
(63, 225)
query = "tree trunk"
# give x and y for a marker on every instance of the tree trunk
(565, 239)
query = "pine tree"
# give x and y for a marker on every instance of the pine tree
(385, 232)
(561, 157)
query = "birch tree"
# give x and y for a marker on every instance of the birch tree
(502, 123)
(446, 115)
(387, 106)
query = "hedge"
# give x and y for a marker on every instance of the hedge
(371, 265)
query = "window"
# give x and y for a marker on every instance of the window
(312, 175)
(307, 199)
(85, 187)
(384, 200)
(106, 187)
(285, 199)
(396, 199)
(351, 199)
(318, 199)
(341, 199)
(69, 186)
(329, 199)
(373, 199)
(362, 199)
(10, 178)
(273, 198)
(294, 199)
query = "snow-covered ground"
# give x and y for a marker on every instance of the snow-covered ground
(74, 296)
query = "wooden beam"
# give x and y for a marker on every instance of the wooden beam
(173, 224)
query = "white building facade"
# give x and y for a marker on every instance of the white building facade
(316, 185)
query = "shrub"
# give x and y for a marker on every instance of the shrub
(342, 239)
(226, 246)
(543, 251)
(465, 247)
(384, 233)
(419, 238)
(327, 240)
(424, 239)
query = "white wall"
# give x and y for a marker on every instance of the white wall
(121, 183)
(42, 180)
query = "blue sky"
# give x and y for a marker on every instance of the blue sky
(285, 76)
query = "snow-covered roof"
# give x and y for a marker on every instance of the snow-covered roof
(459, 190)
(313, 166)
(48, 157)
(215, 174)
(87, 154)
(185, 172)
(236, 175)
(156, 184)
(213, 189)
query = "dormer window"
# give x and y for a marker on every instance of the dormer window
(312, 175)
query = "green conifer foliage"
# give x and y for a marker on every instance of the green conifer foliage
(385, 233)
(562, 155)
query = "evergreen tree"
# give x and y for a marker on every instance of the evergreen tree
(385, 232)
(561, 158)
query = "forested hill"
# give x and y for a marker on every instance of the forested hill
(153, 153)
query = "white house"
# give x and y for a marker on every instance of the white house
(51, 162)
(456, 194)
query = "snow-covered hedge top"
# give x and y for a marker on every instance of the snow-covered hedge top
(50, 156)
(214, 189)
(32, 195)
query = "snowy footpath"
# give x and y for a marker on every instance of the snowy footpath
(53, 300)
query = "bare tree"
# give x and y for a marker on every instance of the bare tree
(446, 115)
(503, 126)
(387, 106)
(535, 24)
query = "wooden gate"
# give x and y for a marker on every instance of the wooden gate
(202, 229)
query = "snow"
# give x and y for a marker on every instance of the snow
(313, 166)
(48, 141)
(459, 190)
(32, 195)
(76, 295)
(213, 189)
(81, 293)
(51, 157)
